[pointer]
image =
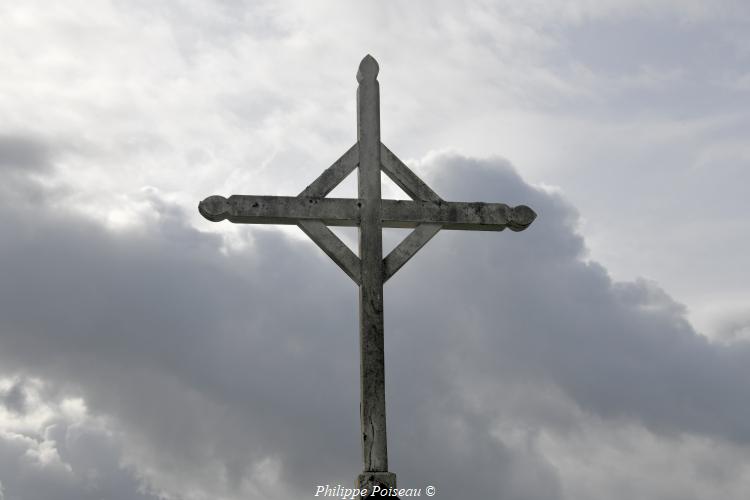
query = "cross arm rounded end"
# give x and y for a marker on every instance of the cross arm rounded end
(214, 208)
(368, 69)
(521, 217)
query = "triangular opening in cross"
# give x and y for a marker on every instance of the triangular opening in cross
(392, 236)
(389, 190)
(349, 236)
(416, 189)
(347, 188)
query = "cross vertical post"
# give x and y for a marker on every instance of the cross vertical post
(372, 359)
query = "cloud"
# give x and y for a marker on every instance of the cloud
(576, 322)
(14, 398)
(55, 449)
(214, 371)
(19, 152)
(147, 354)
(623, 104)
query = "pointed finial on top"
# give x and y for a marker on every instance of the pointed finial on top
(368, 69)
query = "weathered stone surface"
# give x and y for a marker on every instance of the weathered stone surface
(367, 480)
(333, 247)
(248, 209)
(372, 361)
(333, 175)
(474, 216)
(427, 213)
(317, 230)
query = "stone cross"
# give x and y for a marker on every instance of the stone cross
(426, 213)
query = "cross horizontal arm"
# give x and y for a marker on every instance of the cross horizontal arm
(346, 212)
(474, 216)
(247, 209)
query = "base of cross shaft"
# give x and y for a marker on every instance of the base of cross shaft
(367, 480)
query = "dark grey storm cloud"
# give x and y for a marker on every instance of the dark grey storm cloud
(67, 460)
(14, 399)
(23, 152)
(230, 373)
(619, 349)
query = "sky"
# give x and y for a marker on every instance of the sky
(147, 353)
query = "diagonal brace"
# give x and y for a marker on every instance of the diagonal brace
(317, 231)
(407, 248)
(412, 185)
(333, 247)
(404, 177)
(333, 175)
